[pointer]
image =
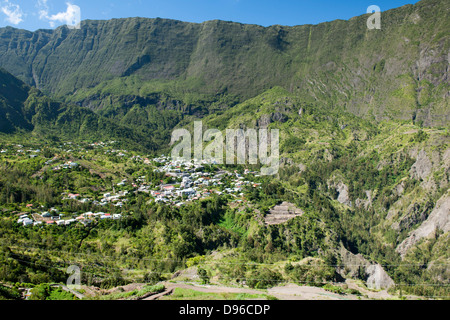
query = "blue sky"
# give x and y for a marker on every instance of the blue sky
(47, 14)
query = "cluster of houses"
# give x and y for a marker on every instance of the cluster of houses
(66, 165)
(114, 198)
(191, 180)
(54, 218)
(25, 220)
(18, 149)
(119, 153)
(101, 144)
(194, 182)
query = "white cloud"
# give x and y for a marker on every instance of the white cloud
(71, 17)
(12, 11)
(43, 9)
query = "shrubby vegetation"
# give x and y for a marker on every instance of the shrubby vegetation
(319, 148)
(47, 292)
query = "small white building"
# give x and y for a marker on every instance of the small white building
(85, 222)
(70, 221)
(27, 222)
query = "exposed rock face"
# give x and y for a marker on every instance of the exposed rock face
(356, 266)
(378, 278)
(266, 119)
(421, 169)
(279, 117)
(343, 197)
(362, 202)
(282, 213)
(301, 167)
(416, 213)
(327, 155)
(341, 189)
(400, 188)
(439, 218)
(286, 161)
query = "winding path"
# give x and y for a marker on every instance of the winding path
(288, 292)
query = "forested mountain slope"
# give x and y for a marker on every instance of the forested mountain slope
(24, 109)
(364, 149)
(398, 72)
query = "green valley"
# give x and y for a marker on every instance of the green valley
(360, 205)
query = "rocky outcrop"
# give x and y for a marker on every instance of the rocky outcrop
(286, 162)
(378, 278)
(421, 169)
(341, 188)
(416, 213)
(327, 155)
(439, 218)
(266, 119)
(366, 203)
(356, 266)
(282, 213)
(279, 117)
(343, 196)
(400, 188)
(353, 265)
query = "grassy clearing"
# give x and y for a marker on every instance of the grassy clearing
(132, 294)
(190, 294)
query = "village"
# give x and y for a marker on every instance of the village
(193, 182)
(185, 181)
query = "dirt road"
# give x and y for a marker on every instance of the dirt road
(289, 292)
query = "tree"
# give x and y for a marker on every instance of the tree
(152, 277)
(203, 274)
(41, 292)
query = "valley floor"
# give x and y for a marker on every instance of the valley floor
(286, 292)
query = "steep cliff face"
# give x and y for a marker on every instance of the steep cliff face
(398, 72)
(356, 266)
(438, 220)
(63, 60)
(13, 94)
(25, 109)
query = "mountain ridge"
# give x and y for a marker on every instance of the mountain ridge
(25, 110)
(353, 107)
(383, 74)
